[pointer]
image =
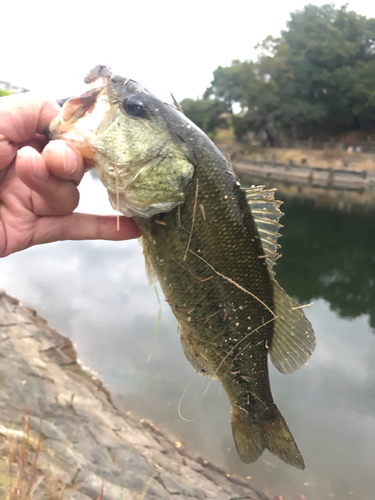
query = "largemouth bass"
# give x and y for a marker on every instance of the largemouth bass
(210, 243)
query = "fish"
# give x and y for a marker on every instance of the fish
(210, 243)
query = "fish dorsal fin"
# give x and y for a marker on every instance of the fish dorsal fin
(195, 357)
(293, 338)
(266, 214)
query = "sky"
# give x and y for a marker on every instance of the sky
(167, 46)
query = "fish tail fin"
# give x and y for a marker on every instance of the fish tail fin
(252, 439)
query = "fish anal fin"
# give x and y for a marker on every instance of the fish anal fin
(195, 357)
(251, 439)
(266, 214)
(293, 339)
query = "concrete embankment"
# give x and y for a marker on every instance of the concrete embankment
(61, 436)
(308, 175)
(340, 189)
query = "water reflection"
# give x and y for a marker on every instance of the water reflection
(97, 293)
(332, 256)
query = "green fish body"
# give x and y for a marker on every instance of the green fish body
(210, 243)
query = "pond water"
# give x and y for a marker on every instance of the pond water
(97, 294)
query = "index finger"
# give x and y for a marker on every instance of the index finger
(21, 117)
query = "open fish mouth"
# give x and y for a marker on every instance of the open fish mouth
(79, 120)
(81, 116)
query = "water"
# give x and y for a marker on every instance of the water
(97, 294)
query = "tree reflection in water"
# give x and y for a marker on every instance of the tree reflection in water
(328, 254)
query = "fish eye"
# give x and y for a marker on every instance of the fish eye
(134, 105)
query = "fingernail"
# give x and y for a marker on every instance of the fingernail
(69, 159)
(38, 168)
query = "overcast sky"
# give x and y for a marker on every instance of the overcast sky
(166, 45)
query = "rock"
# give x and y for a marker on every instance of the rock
(68, 440)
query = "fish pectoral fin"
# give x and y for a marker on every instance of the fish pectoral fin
(195, 357)
(252, 439)
(293, 339)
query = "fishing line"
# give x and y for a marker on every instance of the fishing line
(116, 177)
(180, 402)
(75, 79)
(157, 325)
(193, 221)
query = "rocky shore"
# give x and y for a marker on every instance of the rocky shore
(61, 436)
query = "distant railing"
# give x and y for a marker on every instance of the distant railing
(357, 146)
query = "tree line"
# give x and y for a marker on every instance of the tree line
(316, 79)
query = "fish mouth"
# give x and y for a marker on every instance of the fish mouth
(80, 116)
(79, 120)
(76, 107)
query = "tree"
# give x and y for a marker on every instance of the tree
(331, 52)
(242, 83)
(319, 74)
(207, 114)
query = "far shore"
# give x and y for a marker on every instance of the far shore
(335, 179)
(344, 169)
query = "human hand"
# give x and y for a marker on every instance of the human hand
(38, 182)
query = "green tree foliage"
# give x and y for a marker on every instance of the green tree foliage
(318, 75)
(209, 114)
